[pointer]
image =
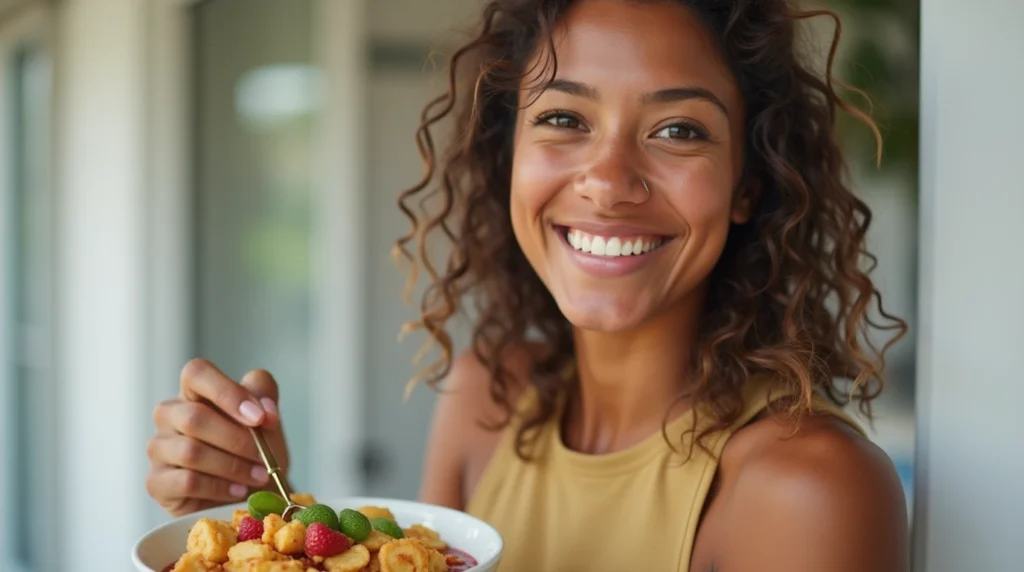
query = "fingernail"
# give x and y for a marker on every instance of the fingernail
(237, 490)
(259, 474)
(250, 411)
(269, 405)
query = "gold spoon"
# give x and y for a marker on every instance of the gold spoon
(274, 470)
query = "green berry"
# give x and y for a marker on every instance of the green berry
(321, 513)
(387, 526)
(354, 524)
(263, 503)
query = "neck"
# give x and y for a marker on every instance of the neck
(627, 381)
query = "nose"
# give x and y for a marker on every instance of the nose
(609, 178)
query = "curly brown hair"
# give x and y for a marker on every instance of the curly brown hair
(788, 296)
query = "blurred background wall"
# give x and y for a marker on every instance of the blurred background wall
(218, 178)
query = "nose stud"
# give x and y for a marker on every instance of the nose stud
(646, 188)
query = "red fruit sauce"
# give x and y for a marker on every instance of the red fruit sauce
(468, 562)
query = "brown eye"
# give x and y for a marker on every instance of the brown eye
(564, 121)
(682, 132)
(559, 120)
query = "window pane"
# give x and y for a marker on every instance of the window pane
(256, 104)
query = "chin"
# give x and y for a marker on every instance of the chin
(606, 316)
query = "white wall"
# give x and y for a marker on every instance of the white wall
(971, 354)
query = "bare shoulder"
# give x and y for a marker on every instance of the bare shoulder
(458, 447)
(817, 496)
(468, 386)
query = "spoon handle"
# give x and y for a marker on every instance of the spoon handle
(273, 469)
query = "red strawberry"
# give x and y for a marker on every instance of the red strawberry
(249, 529)
(323, 541)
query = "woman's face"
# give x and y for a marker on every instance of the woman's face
(641, 94)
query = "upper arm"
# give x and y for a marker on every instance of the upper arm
(824, 501)
(447, 442)
(458, 446)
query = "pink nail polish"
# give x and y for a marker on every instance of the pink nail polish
(269, 405)
(259, 474)
(238, 490)
(251, 411)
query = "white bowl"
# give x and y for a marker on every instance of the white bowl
(165, 544)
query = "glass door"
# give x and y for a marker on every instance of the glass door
(257, 99)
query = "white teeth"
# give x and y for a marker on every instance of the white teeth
(611, 246)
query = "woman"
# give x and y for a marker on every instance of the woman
(645, 202)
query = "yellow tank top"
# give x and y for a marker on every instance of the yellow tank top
(635, 509)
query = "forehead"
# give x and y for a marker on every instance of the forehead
(639, 45)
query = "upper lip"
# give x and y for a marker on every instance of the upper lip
(603, 229)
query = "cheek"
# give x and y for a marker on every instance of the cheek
(537, 177)
(703, 199)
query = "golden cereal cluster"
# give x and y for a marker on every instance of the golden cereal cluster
(213, 546)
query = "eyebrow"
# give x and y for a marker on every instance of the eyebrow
(662, 96)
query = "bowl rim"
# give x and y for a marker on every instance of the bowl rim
(354, 499)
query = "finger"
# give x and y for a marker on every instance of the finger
(200, 380)
(200, 421)
(262, 385)
(174, 485)
(174, 506)
(162, 417)
(190, 453)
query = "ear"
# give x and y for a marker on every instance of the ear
(745, 200)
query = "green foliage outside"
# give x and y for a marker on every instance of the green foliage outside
(879, 55)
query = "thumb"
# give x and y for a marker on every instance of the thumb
(262, 385)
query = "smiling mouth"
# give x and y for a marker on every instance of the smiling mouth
(611, 246)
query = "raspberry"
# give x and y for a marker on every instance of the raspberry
(322, 541)
(249, 529)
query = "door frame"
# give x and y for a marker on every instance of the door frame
(340, 235)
